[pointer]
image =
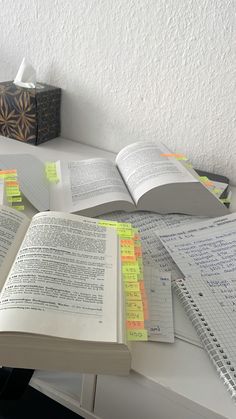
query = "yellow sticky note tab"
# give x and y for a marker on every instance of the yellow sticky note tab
(134, 315)
(130, 277)
(51, 172)
(133, 296)
(182, 158)
(131, 286)
(134, 306)
(124, 226)
(130, 268)
(127, 251)
(188, 165)
(137, 335)
(14, 199)
(225, 200)
(217, 191)
(105, 223)
(19, 207)
(12, 193)
(123, 232)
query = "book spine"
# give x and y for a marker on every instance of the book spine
(217, 354)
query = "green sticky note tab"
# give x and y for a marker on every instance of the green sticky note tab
(14, 199)
(19, 207)
(225, 200)
(137, 335)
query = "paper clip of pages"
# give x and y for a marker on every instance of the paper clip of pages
(206, 254)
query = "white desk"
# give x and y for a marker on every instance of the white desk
(167, 381)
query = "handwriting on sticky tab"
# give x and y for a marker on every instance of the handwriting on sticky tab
(131, 286)
(135, 315)
(130, 268)
(137, 335)
(130, 278)
(134, 306)
(133, 295)
(125, 233)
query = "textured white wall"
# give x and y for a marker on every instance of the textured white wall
(134, 69)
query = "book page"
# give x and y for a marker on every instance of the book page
(143, 168)
(64, 280)
(30, 171)
(13, 226)
(89, 184)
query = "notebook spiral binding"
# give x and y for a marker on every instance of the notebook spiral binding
(213, 347)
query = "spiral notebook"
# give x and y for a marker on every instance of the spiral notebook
(206, 255)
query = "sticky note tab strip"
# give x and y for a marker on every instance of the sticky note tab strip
(12, 188)
(51, 172)
(132, 273)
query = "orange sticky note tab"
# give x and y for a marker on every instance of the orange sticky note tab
(128, 258)
(127, 242)
(172, 155)
(141, 285)
(137, 335)
(132, 324)
(12, 183)
(7, 172)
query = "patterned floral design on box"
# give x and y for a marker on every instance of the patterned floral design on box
(18, 112)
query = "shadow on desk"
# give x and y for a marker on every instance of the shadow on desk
(35, 405)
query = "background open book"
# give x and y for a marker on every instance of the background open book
(61, 302)
(145, 176)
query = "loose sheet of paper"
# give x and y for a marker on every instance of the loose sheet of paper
(158, 286)
(206, 254)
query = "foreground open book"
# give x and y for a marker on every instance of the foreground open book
(145, 176)
(61, 304)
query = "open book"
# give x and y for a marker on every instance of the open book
(145, 176)
(61, 300)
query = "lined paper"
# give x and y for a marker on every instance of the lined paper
(206, 254)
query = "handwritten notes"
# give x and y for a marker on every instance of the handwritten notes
(160, 323)
(206, 254)
(153, 251)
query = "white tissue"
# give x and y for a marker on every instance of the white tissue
(26, 76)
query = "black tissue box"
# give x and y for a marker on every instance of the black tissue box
(30, 115)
